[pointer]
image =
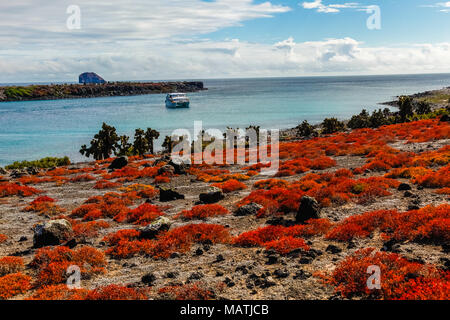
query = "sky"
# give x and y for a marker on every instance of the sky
(56, 40)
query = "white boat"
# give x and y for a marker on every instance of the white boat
(177, 100)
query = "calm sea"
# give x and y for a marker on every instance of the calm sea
(35, 129)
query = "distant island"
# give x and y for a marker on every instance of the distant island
(90, 77)
(91, 88)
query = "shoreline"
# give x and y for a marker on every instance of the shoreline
(83, 91)
(290, 133)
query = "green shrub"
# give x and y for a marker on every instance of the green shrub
(305, 129)
(18, 92)
(332, 125)
(405, 105)
(105, 142)
(48, 162)
(423, 107)
(359, 121)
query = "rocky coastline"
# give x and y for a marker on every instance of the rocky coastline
(76, 91)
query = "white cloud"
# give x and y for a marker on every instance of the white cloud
(233, 58)
(154, 39)
(331, 8)
(121, 19)
(443, 6)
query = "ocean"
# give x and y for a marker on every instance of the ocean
(35, 129)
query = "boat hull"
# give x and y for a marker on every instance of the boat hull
(170, 104)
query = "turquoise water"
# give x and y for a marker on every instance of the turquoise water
(35, 129)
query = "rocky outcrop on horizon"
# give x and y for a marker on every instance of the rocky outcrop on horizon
(90, 78)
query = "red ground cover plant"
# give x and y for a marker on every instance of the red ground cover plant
(444, 191)
(82, 178)
(3, 238)
(427, 289)
(285, 245)
(195, 291)
(129, 173)
(33, 180)
(426, 224)
(44, 205)
(141, 190)
(270, 183)
(208, 173)
(230, 185)
(301, 165)
(126, 243)
(14, 189)
(116, 292)
(162, 179)
(283, 239)
(143, 215)
(180, 239)
(203, 211)
(350, 276)
(439, 157)
(88, 229)
(437, 179)
(13, 284)
(107, 206)
(327, 188)
(105, 184)
(58, 292)
(52, 263)
(10, 265)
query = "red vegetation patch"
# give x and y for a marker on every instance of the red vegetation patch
(230, 185)
(437, 179)
(115, 292)
(129, 173)
(82, 178)
(426, 224)
(88, 229)
(52, 263)
(162, 179)
(3, 238)
(283, 239)
(105, 184)
(44, 205)
(59, 292)
(350, 276)
(13, 284)
(141, 191)
(285, 245)
(142, 215)
(203, 211)
(10, 265)
(327, 188)
(13, 189)
(180, 239)
(107, 206)
(187, 292)
(126, 243)
(270, 183)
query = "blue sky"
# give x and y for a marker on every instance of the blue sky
(176, 39)
(403, 21)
